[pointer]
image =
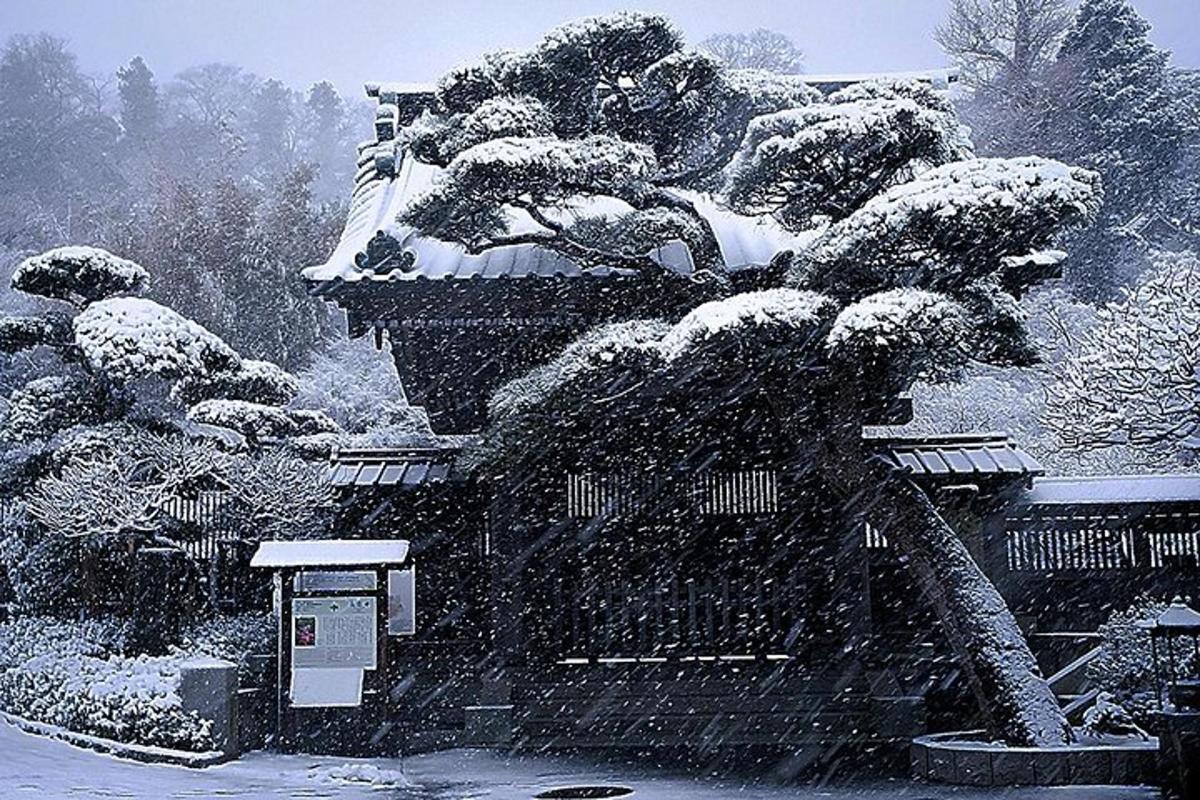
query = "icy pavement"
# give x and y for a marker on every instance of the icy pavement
(36, 767)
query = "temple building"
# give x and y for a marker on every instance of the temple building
(730, 605)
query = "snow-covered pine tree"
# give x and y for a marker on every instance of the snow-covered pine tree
(1117, 114)
(911, 282)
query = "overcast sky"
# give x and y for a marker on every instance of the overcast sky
(353, 41)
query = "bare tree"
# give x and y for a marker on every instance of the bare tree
(759, 49)
(1008, 40)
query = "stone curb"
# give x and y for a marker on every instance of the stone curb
(953, 759)
(133, 752)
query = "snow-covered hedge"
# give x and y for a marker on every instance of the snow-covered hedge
(22, 333)
(79, 274)
(253, 381)
(126, 338)
(1125, 668)
(69, 674)
(252, 420)
(47, 405)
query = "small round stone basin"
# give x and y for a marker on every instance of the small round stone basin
(584, 793)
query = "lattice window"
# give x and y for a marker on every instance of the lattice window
(750, 491)
(591, 494)
(1174, 548)
(1053, 549)
(740, 492)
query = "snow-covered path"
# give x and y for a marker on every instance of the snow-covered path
(34, 767)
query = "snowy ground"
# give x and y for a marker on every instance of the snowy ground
(36, 767)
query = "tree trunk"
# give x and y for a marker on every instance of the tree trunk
(1017, 703)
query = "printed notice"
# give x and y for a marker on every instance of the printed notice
(333, 632)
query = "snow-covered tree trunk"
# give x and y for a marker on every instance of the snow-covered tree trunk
(1017, 703)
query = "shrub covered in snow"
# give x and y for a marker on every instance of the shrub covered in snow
(79, 274)
(791, 315)
(357, 386)
(231, 637)
(255, 421)
(71, 675)
(828, 159)
(252, 381)
(23, 333)
(954, 225)
(46, 405)
(622, 341)
(128, 338)
(1125, 668)
(898, 334)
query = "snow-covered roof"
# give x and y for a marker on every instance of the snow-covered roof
(939, 78)
(957, 455)
(403, 468)
(330, 553)
(389, 179)
(1113, 489)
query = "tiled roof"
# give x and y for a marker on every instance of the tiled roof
(958, 455)
(1113, 489)
(402, 468)
(389, 179)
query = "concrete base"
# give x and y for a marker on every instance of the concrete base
(955, 759)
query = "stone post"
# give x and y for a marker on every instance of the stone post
(209, 686)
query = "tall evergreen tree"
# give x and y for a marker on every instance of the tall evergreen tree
(1117, 116)
(141, 107)
(1121, 116)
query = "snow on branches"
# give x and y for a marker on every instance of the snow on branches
(1133, 378)
(49, 404)
(533, 175)
(251, 380)
(795, 314)
(829, 159)
(898, 335)
(79, 275)
(259, 422)
(954, 225)
(22, 333)
(128, 338)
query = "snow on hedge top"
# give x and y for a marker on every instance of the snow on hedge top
(909, 322)
(79, 274)
(255, 381)
(962, 217)
(799, 310)
(128, 337)
(595, 349)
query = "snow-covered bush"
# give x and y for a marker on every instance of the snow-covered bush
(255, 421)
(639, 339)
(126, 338)
(1109, 718)
(900, 332)
(1125, 668)
(79, 274)
(23, 333)
(358, 388)
(46, 405)
(231, 637)
(828, 159)
(953, 225)
(71, 675)
(1132, 380)
(793, 314)
(252, 381)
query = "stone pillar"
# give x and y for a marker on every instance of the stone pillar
(209, 686)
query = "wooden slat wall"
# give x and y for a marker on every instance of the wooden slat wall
(205, 510)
